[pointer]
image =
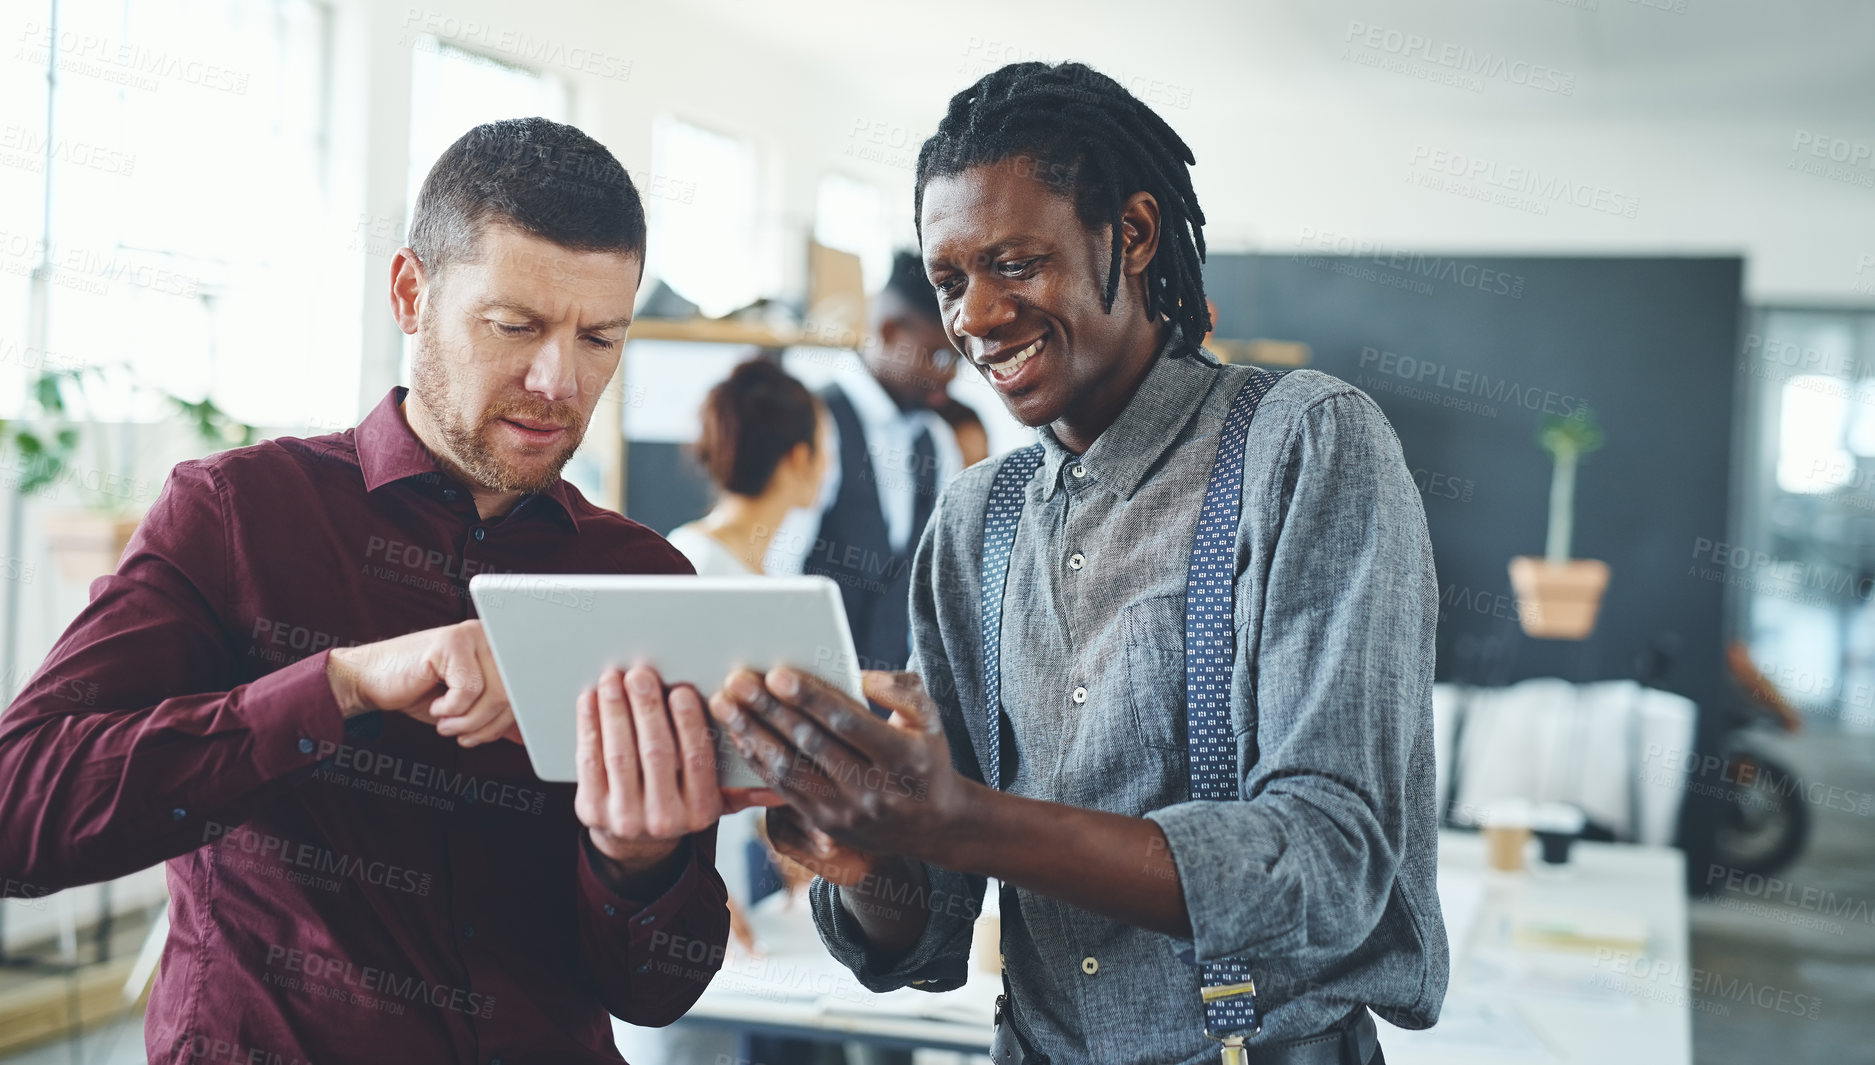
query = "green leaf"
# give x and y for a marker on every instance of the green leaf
(1577, 434)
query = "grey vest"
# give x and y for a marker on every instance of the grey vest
(854, 548)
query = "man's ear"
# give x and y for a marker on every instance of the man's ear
(1139, 233)
(408, 284)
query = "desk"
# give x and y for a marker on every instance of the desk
(1506, 1005)
(795, 989)
(1509, 1006)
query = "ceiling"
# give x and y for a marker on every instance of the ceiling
(1797, 60)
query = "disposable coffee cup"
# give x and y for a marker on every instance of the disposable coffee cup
(1506, 835)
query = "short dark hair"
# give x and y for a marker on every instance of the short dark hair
(911, 287)
(1100, 144)
(545, 178)
(752, 421)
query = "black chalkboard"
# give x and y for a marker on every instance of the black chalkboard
(1465, 355)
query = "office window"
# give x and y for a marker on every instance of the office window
(852, 215)
(1804, 568)
(453, 90)
(705, 240)
(199, 262)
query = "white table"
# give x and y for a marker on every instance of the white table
(1507, 1005)
(1510, 1005)
(795, 989)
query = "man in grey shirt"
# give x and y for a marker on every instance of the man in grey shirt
(1060, 232)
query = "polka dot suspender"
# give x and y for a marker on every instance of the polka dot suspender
(1210, 650)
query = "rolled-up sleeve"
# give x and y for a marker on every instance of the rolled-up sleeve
(939, 960)
(1334, 658)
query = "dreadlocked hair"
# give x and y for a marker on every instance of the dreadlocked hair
(1080, 132)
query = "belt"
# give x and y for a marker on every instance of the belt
(1351, 1042)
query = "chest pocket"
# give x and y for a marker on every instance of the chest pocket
(1155, 669)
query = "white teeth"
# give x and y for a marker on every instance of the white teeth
(1014, 362)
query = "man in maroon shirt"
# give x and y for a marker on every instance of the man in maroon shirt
(293, 707)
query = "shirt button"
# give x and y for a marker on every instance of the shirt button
(1090, 965)
(647, 918)
(1080, 695)
(468, 931)
(1077, 560)
(480, 535)
(451, 494)
(178, 814)
(305, 745)
(645, 968)
(611, 910)
(1078, 470)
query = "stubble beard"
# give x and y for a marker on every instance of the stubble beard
(466, 440)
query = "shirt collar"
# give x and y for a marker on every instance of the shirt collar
(388, 451)
(1122, 456)
(873, 404)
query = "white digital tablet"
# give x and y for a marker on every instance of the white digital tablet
(553, 634)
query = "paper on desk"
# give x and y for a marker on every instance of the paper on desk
(1584, 929)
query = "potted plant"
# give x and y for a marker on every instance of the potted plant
(1558, 597)
(87, 541)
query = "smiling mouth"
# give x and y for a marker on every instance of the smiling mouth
(1005, 369)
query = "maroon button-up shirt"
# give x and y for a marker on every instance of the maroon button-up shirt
(341, 892)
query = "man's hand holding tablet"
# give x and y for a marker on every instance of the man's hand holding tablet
(647, 774)
(647, 764)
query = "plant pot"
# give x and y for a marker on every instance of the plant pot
(1558, 600)
(87, 544)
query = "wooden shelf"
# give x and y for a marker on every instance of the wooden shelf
(712, 331)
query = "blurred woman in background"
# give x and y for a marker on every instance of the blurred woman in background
(764, 444)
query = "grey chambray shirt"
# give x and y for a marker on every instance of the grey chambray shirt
(1322, 875)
